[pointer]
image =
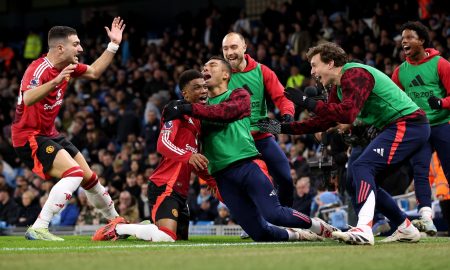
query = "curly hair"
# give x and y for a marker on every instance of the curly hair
(329, 51)
(420, 29)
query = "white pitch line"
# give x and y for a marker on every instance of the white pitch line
(150, 246)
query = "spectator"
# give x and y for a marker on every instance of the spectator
(29, 211)
(303, 197)
(150, 132)
(296, 79)
(6, 56)
(9, 209)
(224, 217)
(128, 207)
(88, 214)
(144, 207)
(205, 207)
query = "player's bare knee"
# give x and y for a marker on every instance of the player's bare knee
(62, 162)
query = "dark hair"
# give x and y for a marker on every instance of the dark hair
(329, 51)
(421, 30)
(60, 32)
(224, 62)
(187, 76)
(6, 189)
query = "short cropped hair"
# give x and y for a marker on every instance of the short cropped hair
(224, 62)
(187, 76)
(60, 32)
(421, 30)
(329, 51)
(241, 37)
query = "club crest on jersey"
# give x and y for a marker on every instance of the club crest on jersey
(175, 212)
(33, 83)
(168, 124)
(49, 149)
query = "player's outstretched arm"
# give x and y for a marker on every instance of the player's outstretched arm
(236, 107)
(33, 95)
(94, 71)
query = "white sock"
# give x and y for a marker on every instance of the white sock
(365, 216)
(59, 195)
(316, 227)
(426, 213)
(100, 199)
(293, 235)
(148, 232)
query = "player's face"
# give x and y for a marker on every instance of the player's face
(214, 73)
(196, 91)
(411, 43)
(73, 49)
(320, 71)
(233, 49)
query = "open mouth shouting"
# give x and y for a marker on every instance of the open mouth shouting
(203, 98)
(407, 49)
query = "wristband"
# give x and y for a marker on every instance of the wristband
(112, 47)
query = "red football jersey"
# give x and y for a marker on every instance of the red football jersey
(177, 141)
(39, 118)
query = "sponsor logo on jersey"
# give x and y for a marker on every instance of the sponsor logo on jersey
(191, 148)
(49, 149)
(51, 107)
(175, 212)
(58, 95)
(417, 81)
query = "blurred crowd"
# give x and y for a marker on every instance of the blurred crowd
(115, 121)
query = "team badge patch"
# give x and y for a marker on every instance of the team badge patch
(49, 149)
(175, 212)
(168, 124)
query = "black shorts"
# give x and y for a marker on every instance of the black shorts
(166, 204)
(39, 153)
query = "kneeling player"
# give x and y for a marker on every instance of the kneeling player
(169, 184)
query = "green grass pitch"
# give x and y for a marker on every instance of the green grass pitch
(216, 252)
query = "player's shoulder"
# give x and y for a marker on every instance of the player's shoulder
(38, 67)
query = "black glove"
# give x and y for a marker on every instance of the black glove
(273, 126)
(435, 103)
(300, 99)
(372, 132)
(176, 109)
(287, 118)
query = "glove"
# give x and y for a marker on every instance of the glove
(273, 126)
(372, 132)
(176, 109)
(300, 99)
(435, 103)
(287, 118)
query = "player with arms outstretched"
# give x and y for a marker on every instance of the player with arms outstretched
(35, 138)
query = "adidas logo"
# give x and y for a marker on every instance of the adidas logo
(379, 151)
(273, 193)
(417, 81)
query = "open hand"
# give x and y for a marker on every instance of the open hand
(115, 33)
